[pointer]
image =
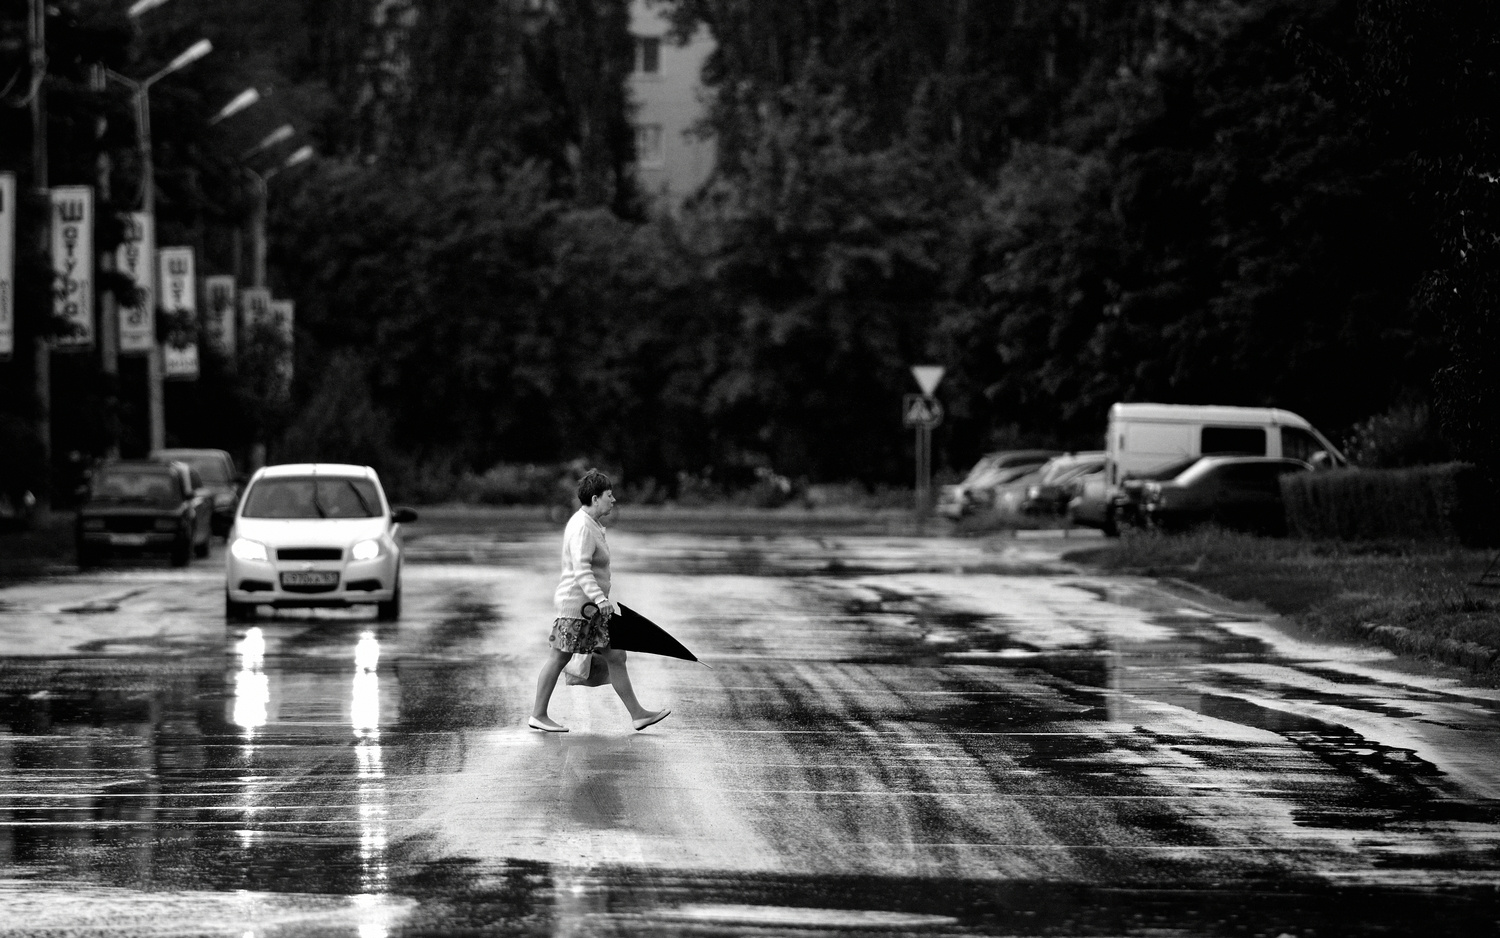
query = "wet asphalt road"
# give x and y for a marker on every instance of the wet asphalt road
(898, 735)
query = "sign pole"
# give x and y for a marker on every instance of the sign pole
(923, 412)
(924, 468)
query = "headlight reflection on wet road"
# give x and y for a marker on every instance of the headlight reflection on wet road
(252, 698)
(364, 717)
(252, 689)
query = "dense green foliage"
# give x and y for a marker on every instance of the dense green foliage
(1066, 203)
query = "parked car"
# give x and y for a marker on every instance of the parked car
(17, 509)
(1094, 505)
(1126, 498)
(1057, 482)
(1239, 492)
(315, 534)
(977, 491)
(144, 506)
(217, 470)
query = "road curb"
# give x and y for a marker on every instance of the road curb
(1213, 602)
(1481, 660)
(1472, 655)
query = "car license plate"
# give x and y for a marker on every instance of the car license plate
(313, 578)
(127, 540)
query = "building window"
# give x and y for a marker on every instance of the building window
(648, 145)
(648, 55)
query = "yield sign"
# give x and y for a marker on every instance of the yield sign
(927, 377)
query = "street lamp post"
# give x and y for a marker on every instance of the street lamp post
(258, 230)
(140, 90)
(258, 213)
(36, 37)
(239, 103)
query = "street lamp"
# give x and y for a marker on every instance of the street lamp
(241, 101)
(258, 219)
(141, 6)
(284, 132)
(300, 155)
(139, 93)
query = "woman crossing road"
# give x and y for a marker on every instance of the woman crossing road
(585, 579)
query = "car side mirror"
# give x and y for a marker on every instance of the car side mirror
(403, 516)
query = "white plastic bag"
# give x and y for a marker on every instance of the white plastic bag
(578, 666)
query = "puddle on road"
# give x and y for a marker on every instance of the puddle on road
(1354, 783)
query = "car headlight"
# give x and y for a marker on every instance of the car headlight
(246, 549)
(365, 550)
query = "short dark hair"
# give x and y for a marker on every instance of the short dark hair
(593, 484)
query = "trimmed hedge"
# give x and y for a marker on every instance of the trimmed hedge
(1449, 502)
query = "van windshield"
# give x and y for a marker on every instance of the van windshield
(1298, 443)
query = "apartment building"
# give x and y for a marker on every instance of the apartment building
(666, 91)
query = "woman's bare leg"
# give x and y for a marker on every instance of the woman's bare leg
(619, 679)
(547, 681)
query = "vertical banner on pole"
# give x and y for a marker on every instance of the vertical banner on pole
(255, 309)
(73, 265)
(283, 314)
(134, 258)
(7, 265)
(179, 302)
(219, 317)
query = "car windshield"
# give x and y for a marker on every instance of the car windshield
(211, 468)
(981, 470)
(145, 486)
(313, 497)
(1066, 467)
(1012, 473)
(1204, 467)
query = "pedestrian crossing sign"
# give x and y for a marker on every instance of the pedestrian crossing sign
(919, 410)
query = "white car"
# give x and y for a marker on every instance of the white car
(314, 534)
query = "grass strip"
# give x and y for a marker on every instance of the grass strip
(1411, 597)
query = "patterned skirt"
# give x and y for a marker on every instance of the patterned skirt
(576, 636)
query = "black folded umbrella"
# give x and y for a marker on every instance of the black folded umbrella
(631, 631)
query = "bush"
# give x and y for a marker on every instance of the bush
(1448, 502)
(1405, 435)
(528, 484)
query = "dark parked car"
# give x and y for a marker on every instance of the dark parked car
(144, 506)
(1127, 497)
(221, 478)
(1239, 492)
(17, 508)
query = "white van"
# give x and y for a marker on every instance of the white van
(1145, 437)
